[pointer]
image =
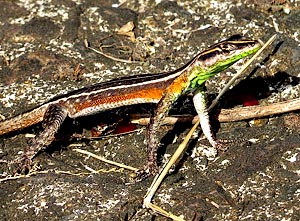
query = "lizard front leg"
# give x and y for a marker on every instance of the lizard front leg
(199, 101)
(53, 119)
(164, 105)
(152, 137)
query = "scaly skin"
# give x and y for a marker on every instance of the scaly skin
(163, 89)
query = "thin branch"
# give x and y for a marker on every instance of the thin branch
(235, 114)
(242, 113)
(106, 160)
(109, 56)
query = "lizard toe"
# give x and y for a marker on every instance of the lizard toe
(21, 165)
(150, 169)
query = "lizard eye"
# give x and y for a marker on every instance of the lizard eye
(225, 48)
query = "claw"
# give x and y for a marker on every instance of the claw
(223, 145)
(21, 165)
(141, 175)
(150, 169)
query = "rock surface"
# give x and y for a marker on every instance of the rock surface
(43, 54)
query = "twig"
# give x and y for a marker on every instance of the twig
(56, 172)
(105, 160)
(109, 56)
(171, 120)
(158, 178)
(235, 114)
(163, 212)
(242, 113)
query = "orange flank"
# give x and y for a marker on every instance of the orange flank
(178, 85)
(149, 95)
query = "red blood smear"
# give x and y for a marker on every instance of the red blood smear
(249, 100)
(124, 127)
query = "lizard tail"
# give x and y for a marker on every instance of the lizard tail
(23, 120)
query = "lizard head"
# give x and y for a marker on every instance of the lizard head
(221, 56)
(225, 53)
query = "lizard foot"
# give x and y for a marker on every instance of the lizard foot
(150, 169)
(223, 144)
(21, 165)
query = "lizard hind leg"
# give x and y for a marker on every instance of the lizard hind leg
(53, 119)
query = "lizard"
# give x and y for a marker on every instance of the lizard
(162, 89)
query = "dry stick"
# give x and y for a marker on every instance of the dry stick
(109, 56)
(171, 120)
(242, 113)
(163, 212)
(106, 161)
(235, 114)
(56, 172)
(158, 178)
